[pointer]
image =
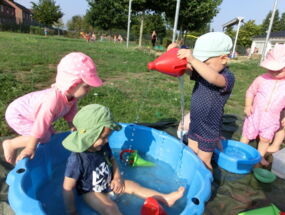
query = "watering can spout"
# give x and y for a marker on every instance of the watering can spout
(151, 65)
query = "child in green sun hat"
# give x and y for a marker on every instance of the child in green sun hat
(92, 169)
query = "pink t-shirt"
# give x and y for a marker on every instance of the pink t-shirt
(34, 113)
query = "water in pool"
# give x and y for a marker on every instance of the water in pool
(160, 177)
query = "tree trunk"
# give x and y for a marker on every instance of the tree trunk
(141, 31)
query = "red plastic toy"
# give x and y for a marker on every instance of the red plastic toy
(152, 207)
(168, 63)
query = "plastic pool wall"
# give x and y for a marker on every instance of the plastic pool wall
(28, 176)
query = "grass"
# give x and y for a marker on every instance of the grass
(134, 94)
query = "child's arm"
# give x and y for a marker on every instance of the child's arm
(68, 196)
(117, 184)
(250, 94)
(248, 106)
(210, 74)
(29, 150)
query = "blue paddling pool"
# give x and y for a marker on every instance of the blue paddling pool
(237, 157)
(35, 186)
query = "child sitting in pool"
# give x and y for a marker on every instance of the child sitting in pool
(32, 115)
(92, 169)
(264, 101)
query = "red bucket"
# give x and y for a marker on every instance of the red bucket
(152, 207)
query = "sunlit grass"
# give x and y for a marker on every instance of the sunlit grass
(134, 94)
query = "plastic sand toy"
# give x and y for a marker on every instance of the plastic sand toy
(134, 159)
(269, 210)
(264, 175)
(236, 157)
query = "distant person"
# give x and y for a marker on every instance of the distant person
(93, 37)
(33, 114)
(120, 38)
(213, 85)
(264, 101)
(153, 38)
(92, 170)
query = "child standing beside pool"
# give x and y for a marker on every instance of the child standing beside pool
(264, 102)
(32, 115)
(92, 169)
(213, 85)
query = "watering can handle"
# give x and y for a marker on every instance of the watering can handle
(124, 151)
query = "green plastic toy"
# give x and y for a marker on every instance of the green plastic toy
(269, 210)
(134, 159)
(264, 175)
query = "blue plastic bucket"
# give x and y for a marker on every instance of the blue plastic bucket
(237, 157)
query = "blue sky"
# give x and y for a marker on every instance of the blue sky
(229, 9)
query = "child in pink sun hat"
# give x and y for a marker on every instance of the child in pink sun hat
(31, 116)
(264, 101)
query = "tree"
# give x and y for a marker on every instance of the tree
(194, 15)
(46, 12)
(59, 24)
(247, 32)
(78, 23)
(107, 14)
(282, 22)
(266, 22)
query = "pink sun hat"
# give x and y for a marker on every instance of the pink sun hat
(275, 58)
(74, 68)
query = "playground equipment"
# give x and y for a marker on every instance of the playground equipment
(236, 157)
(35, 186)
(134, 159)
(168, 63)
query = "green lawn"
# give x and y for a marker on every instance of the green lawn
(134, 94)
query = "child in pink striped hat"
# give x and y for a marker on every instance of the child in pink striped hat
(264, 102)
(32, 115)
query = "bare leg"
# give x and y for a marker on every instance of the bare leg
(277, 141)
(10, 147)
(244, 139)
(142, 192)
(206, 158)
(262, 148)
(101, 203)
(192, 144)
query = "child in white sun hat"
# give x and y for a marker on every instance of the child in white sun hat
(264, 101)
(32, 115)
(213, 85)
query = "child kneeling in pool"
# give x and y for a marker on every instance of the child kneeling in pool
(92, 169)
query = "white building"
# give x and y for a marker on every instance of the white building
(259, 41)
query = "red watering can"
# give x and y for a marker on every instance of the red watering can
(168, 63)
(152, 207)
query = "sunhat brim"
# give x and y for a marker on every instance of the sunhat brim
(80, 141)
(272, 65)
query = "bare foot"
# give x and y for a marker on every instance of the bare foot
(9, 152)
(171, 198)
(264, 162)
(272, 149)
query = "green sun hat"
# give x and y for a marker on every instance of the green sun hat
(89, 122)
(264, 175)
(212, 44)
